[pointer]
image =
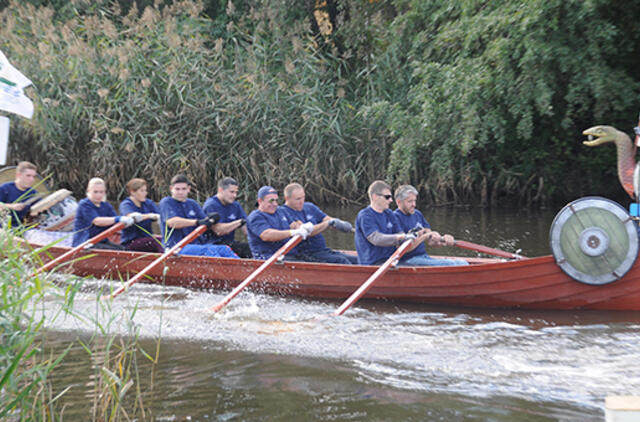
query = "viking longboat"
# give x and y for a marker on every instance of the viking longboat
(593, 266)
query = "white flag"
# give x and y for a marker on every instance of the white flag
(12, 83)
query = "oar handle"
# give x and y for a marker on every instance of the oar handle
(175, 249)
(88, 243)
(282, 251)
(379, 272)
(487, 250)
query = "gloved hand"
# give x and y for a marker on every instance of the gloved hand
(304, 230)
(128, 221)
(137, 217)
(214, 216)
(153, 216)
(242, 222)
(308, 226)
(209, 220)
(343, 226)
(409, 236)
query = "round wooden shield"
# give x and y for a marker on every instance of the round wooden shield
(594, 240)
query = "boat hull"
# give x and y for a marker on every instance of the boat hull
(536, 283)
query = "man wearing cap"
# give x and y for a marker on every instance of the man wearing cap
(314, 248)
(180, 215)
(13, 195)
(378, 232)
(269, 229)
(410, 218)
(232, 217)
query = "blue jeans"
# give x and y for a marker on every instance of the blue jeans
(327, 255)
(208, 250)
(427, 261)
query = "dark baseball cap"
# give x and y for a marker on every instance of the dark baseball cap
(266, 190)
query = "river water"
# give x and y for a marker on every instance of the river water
(271, 358)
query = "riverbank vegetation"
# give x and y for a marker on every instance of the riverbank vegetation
(473, 102)
(32, 305)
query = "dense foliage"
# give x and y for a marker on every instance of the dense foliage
(472, 101)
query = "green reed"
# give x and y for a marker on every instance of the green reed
(28, 371)
(149, 93)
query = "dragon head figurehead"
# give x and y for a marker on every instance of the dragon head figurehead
(599, 135)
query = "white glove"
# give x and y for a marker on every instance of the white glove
(137, 217)
(128, 221)
(308, 227)
(299, 231)
(304, 230)
(154, 216)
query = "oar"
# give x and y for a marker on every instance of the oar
(485, 249)
(282, 251)
(375, 276)
(175, 249)
(86, 244)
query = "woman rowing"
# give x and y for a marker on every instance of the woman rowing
(143, 210)
(94, 215)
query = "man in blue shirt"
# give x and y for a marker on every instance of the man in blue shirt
(232, 217)
(13, 195)
(180, 215)
(269, 229)
(313, 249)
(410, 218)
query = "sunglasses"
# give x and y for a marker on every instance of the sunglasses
(387, 196)
(273, 200)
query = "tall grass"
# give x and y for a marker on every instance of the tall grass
(152, 92)
(29, 304)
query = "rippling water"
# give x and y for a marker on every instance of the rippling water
(274, 358)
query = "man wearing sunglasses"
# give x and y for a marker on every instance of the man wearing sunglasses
(269, 229)
(378, 231)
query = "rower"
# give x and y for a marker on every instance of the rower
(180, 215)
(94, 215)
(269, 229)
(13, 195)
(411, 219)
(314, 248)
(378, 230)
(232, 217)
(144, 211)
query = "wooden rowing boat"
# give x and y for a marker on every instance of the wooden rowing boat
(536, 283)
(594, 266)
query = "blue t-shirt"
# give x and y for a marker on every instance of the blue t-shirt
(83, 224)
(367, 222)
(10, 193)
(228, 213)
(310, 213)
(170, 208)
(259, 221)
(408, 222)
(141, 229)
